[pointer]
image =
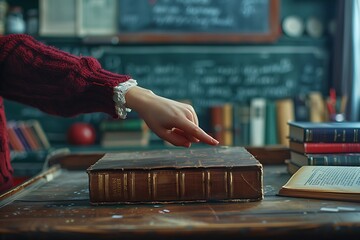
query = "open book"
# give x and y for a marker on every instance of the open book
(324, 182)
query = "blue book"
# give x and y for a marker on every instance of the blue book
(326, 159)
(326, 132)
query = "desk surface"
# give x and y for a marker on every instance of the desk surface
(57, 205)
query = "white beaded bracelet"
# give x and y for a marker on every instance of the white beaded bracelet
(119, 97)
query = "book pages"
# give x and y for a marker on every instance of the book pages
(326, 179)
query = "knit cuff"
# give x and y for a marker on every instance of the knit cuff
(119, 97)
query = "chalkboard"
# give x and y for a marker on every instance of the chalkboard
(203, 75)
(198, 20)
(211, 75)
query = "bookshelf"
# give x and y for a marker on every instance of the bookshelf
(232, 69)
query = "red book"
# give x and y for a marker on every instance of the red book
(217, 123)
(325, 147)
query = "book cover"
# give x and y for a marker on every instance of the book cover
(329, 132)
(330, 159)
(324, 182)
(176, 175)
(324, 147)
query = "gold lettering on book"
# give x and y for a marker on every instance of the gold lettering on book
(203, 184)
(226, 182)
(107, 186)
(208, 183)
(126, 193)
(182, 183)
(154, 185)
(133, 182)
(231, 188)
(101, 186)
(149, 184)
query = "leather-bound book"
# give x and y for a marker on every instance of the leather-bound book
(176, 175)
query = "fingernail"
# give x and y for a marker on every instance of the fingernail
(215, 141)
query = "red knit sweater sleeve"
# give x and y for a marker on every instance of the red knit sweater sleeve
(54, 81)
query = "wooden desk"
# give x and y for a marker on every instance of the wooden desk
(56, 205)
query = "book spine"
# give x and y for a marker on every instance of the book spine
(40, 133)
(30, 138)
(257, 121)
(217, 123)
(241, 119)
(271, 128)
(22, 138)
(334, 160)
(285, 113)
(228, 124)
(176, 185)
(332, 135)
(332, 147)
(14, 139)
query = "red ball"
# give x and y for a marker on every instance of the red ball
(81, 134)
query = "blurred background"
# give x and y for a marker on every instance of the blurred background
(247, 66)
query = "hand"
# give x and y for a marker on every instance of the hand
(172, 121)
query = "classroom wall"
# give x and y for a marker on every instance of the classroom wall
(231, 66)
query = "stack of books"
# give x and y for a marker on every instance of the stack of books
(27, 136)
(323, 144)
(119, 133)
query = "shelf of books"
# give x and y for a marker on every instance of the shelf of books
(29, 147)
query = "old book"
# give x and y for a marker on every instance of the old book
(329, 132)
(176, 175)
(324, 182)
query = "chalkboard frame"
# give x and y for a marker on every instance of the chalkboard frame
(213, 37)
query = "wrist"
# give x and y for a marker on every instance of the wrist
(138, 97)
